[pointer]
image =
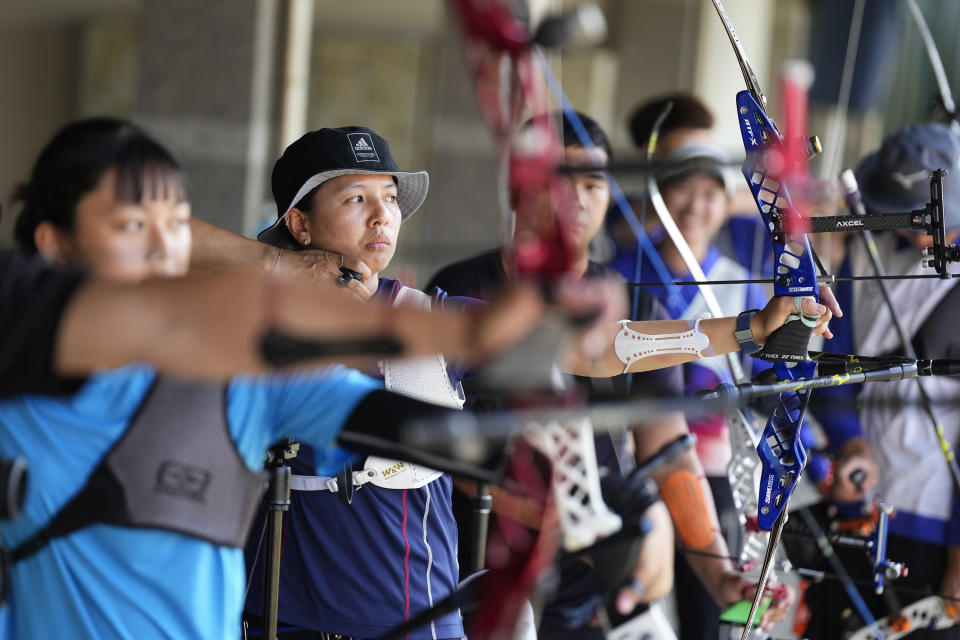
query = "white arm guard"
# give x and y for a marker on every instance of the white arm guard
(630, 345)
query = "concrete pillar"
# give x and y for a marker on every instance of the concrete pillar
(207, 89)
(375, 66)
(296, 72)
(39, 96)
(109, 65)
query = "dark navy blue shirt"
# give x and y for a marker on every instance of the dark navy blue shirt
(361, 569)
(746, 241)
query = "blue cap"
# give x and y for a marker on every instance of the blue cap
(896, 178)
(689, 159)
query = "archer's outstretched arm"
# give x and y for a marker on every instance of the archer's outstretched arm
(642, 346)
(211, 326)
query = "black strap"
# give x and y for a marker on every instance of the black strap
(367, 431)
(99, 501)
(789, 343)
(143, 482)
(345, 485)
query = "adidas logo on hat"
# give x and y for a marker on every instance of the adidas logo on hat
(362, 146)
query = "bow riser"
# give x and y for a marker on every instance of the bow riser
(546, 252)
(795, 272)
(493, 24)
(781, 452)
(532, 154)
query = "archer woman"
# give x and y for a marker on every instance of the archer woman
(359, 569)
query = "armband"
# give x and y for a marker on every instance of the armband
(630, 345)
(685, 494)
(744, 335)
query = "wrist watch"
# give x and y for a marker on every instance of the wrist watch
(743, 334)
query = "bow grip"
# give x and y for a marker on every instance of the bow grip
(791, 342)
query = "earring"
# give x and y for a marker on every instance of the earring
(303, 239)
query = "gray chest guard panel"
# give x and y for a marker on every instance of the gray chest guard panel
(176, 467)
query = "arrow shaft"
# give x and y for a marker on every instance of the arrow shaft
(828, 279)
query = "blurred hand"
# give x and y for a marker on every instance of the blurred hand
(322, 268)
(854, 456)
(779, 309)
(734, 588)
(950, 585)
(514, 314)
(653, 572)
(778, 610)
(603, 301)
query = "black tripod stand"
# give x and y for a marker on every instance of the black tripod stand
(482, 504)
(275, 503)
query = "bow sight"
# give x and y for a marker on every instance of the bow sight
(928, 219)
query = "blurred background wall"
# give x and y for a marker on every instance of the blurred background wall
(226, 83)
